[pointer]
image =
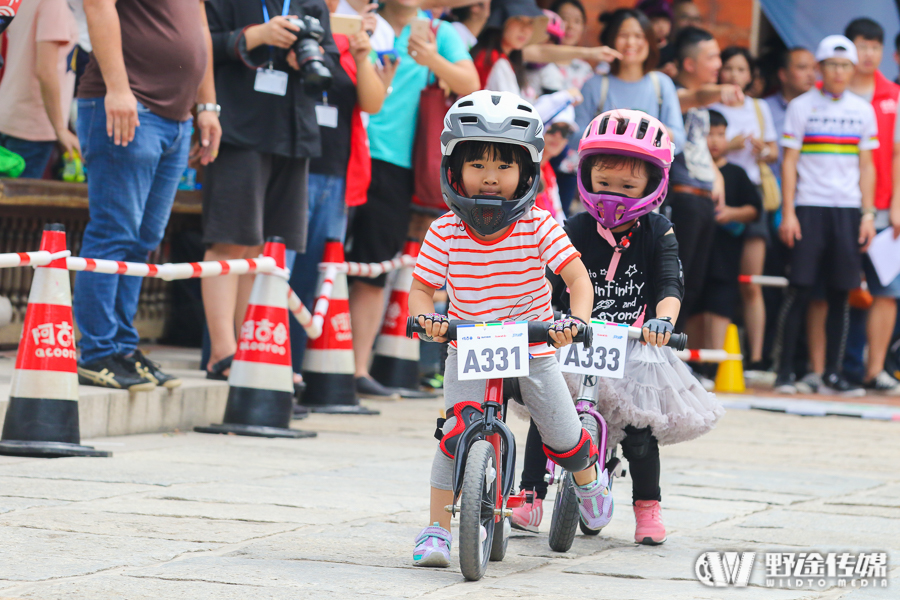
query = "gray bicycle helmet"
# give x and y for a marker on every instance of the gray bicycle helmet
(500, 117)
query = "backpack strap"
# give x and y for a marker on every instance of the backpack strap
(654, 79)
(604, 91)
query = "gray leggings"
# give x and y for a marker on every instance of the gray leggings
(545, 394)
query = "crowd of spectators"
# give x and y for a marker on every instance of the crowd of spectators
(309, 134)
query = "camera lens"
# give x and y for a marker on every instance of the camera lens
(315, 75)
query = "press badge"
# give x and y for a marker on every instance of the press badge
(326, 116)
(270, 81)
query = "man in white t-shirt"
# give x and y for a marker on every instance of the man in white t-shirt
(828, 185)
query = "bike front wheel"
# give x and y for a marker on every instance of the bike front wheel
(476, 515)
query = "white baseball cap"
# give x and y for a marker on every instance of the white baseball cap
(836, 46)
(566, 116)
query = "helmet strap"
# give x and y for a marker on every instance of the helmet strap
(618, 247)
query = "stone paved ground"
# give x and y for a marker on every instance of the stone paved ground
(191, 516)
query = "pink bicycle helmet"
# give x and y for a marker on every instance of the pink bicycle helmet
(556, 27)
(626, 133)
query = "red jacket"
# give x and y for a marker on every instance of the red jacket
(359, 167)
(884, 101)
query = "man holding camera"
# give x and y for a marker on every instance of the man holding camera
(272, 81)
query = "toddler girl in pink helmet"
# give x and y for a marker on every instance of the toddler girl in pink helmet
(631, 254)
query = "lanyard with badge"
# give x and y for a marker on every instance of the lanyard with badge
(268, 80)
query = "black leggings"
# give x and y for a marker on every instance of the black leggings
(790, 324)
(639, 447)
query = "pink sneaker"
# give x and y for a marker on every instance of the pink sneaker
(528, 516)
(650, 529)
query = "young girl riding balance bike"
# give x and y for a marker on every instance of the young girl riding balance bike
(492, 251)
(632, 258)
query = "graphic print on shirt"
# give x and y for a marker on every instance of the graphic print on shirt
(696, 152)
(619, 300)
(826, 134)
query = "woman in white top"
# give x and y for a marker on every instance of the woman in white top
(752, 140)
(573, 72)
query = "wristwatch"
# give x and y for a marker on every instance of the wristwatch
(209, 106)
(869, 212)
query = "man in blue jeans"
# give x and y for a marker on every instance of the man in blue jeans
(151, 62)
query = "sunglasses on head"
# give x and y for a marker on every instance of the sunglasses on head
(561, 128)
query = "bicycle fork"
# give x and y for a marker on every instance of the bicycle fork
(492, 429)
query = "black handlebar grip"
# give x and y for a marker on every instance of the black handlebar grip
(678, 341)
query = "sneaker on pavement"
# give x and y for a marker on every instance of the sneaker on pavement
(595, 502)
(785, 385)
(528, 516)
(883, 384)
(368, 388)
(115, 372)
(433, 547)
(150, 370)
(649, 529)
(834, 384)
(810, 383)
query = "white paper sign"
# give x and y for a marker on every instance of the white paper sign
(492, 351)
(270, 81)
(606, 358)
(885, 255)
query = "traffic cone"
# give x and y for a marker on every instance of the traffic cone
(730, 376)
(260, 398)
(396, 360)
(328, 366)
(42, 416)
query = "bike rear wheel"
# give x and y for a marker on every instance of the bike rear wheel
(566, 516)
(501, 539)
(479, 496)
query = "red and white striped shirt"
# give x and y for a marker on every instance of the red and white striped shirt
(498, 280)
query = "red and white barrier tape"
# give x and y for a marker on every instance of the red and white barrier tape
(172, 271)
(313, 330)
(708, 356)
(31, 259)
(371, 269)
(764, 280)
(322, 302)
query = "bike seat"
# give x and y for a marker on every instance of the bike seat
(512, 391)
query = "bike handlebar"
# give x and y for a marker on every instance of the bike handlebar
(538, 331)
(677, 341)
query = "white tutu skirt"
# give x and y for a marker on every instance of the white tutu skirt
(657, 391)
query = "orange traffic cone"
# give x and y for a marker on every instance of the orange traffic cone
(42, 416)
(396, 360)
(328, 367)
(260, 398)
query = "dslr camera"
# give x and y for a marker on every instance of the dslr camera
(315, 75)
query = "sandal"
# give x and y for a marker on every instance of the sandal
(217, 371)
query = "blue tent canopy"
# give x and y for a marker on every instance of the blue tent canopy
(806, 22)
